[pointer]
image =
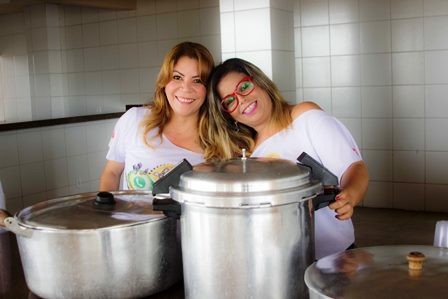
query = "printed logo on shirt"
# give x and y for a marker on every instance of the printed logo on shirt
(139, 179)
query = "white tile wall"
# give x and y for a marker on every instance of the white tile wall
(436, 104)
(375, 37)
(436, 67)
(388, 66)
(344, 39)
(409, 134)
(374, 10)
(315, 41)
(406, 8)
(346, 102)
(43, 163)
(376, 101)
(409, 166)
(316, 72)
(436, 167)
(435, 7)
(407, 34)
(409, 196)
(434, 199)
(77, 61)
(408, 68)
(314, 12)
(345, 70)
(343, 11)
(409, 100)
(379, 195)
(378, 65)
(260, 37)
(282, 30)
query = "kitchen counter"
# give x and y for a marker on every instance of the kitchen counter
(12, 280)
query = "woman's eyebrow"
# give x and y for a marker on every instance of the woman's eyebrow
(183, 75)
(175, 71)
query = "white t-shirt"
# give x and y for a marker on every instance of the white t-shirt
(144, 165)
(328, 141)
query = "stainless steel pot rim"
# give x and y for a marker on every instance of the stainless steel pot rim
(62, 230)
(245, 175)
(247, 200)
(249, 182)
(80, 212)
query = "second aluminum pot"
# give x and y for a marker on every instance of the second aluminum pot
(246, 226)
(110, 245)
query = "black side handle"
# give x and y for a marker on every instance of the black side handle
(172, 178)
(318, 171)
(325, 176)
(168, 206)
(327, 197)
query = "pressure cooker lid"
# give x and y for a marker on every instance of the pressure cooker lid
(91, 211)
(381, 272)
(243, 182)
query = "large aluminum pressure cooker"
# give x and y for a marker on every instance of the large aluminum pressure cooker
(381, 272)
(105, 245)
(246, 227)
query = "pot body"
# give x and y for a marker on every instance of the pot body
(123, 262)
(251, 252)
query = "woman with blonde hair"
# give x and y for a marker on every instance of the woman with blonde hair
(252, 114)
(149, 141)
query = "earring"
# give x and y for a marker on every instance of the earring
(237, 128)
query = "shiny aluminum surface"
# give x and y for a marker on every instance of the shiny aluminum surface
(246, 253)
(134, 259)
(379, 272)
(78, 212)
(247, 228)
(246, 182)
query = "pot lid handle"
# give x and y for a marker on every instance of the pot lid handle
(104, 199)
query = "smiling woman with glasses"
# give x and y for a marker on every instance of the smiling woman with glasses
(248, 111)
(243, 88)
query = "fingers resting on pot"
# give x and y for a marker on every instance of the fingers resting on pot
(3, 215)
(343, 206)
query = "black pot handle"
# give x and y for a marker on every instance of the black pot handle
(172, 178)
(168, 206)
(325, 176)
(327, 197)
(318, 171)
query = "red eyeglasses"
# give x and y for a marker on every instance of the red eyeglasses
(243, 88)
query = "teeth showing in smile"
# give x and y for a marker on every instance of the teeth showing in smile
(185, 100)
(250, 108)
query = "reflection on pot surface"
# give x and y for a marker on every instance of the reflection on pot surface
(379, 272)
(87, 246)
(247, 227)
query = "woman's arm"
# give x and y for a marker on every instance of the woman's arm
(110, 178)
(354, 183)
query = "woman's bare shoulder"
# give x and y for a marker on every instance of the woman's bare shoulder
(302, 107)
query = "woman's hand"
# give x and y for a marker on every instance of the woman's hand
(343, 206)
(354, 183)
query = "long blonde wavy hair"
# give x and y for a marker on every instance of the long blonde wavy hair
(227, 137)
(161, 110)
